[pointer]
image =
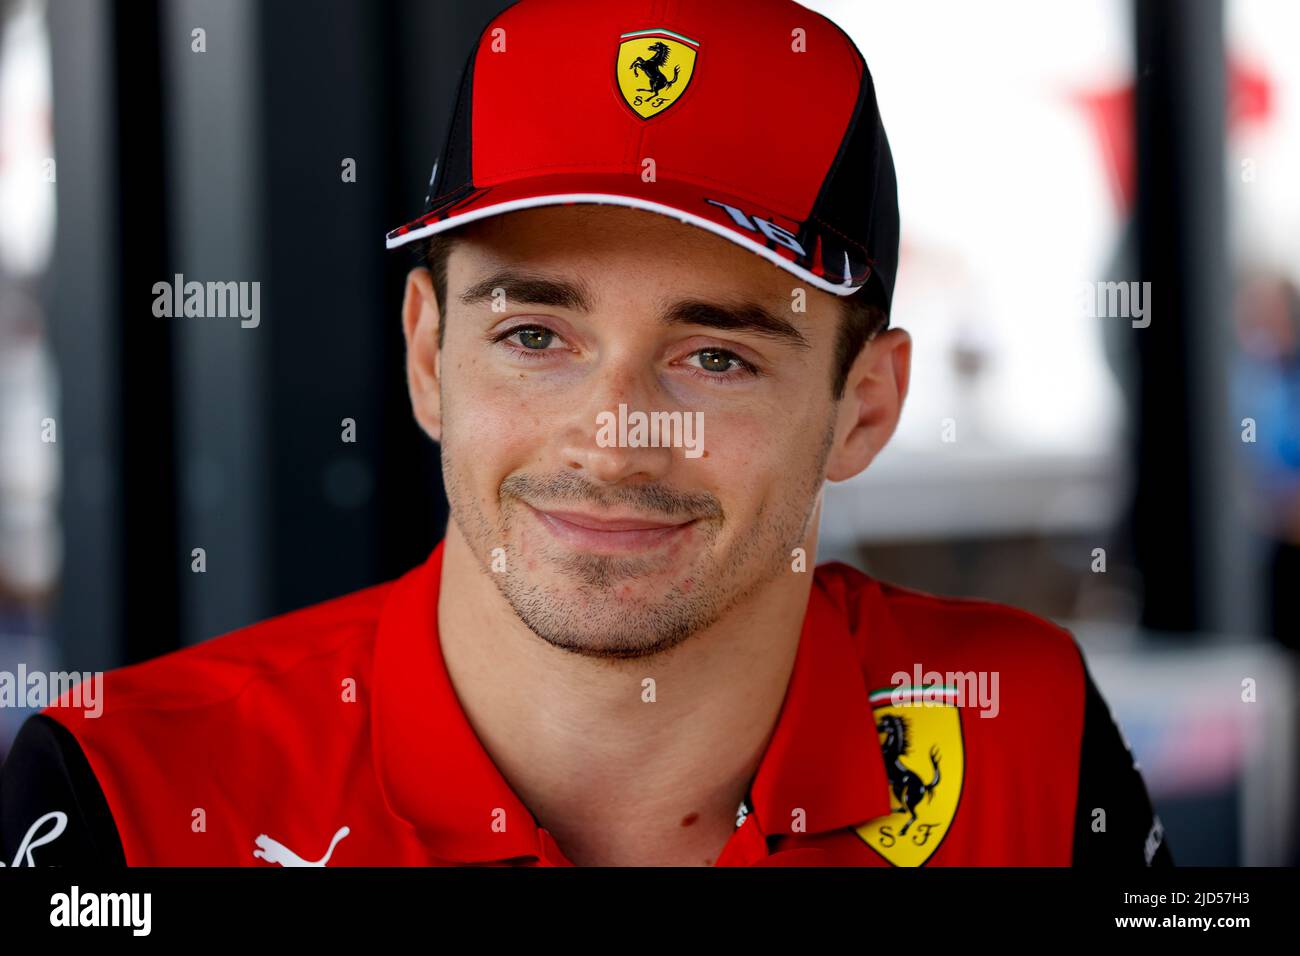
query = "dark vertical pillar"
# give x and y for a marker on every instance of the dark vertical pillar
(148, 464)
(1188, 541)
(324, 76)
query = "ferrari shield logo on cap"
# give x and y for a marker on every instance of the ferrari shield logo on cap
(654, 69)
(920, 736)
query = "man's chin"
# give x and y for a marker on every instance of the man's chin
(623, 580)
(628, 642)
(629, 618)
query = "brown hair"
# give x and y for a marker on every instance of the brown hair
(862, 318)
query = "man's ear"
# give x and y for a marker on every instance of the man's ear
(872, 403)
(420, 319)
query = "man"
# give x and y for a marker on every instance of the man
(653, 324)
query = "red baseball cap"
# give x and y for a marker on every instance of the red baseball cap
(753, 119)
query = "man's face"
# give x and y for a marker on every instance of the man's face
(601, 548)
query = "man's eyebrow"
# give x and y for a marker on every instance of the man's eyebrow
(745, 317)
(531, 289)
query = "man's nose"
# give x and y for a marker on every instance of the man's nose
(595, 440)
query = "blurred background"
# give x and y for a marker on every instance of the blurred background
(1122, 458)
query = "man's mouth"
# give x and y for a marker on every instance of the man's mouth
(610, 533)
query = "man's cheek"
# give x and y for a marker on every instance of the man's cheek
(737, 448)
(491, 416)
(751, 465)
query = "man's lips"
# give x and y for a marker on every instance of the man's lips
(600, 523)
(607, 533)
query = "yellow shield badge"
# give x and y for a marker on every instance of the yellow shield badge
(920, 736)
(654, 69)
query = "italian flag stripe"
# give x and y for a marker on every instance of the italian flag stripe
(666, 33)
(887, 693)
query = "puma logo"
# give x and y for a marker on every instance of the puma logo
(273, 851)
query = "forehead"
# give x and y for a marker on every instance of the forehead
(619, 250)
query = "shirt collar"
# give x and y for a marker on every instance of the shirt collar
(432, 768)
(823, 756)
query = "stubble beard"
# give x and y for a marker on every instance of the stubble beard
(589, 617)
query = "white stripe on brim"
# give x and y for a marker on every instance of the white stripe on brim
(613, 199)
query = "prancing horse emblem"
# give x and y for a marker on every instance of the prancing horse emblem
(919, 729)
(654, 69)
(906, 785)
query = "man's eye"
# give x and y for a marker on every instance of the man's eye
(526, 339)
(535, 339)
(720, 361)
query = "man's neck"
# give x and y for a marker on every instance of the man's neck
(617, 779)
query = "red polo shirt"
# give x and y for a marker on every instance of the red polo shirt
(333, 735)
(823, 755)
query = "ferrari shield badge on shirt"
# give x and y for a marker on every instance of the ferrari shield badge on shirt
(654, 69)
(921, 739)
